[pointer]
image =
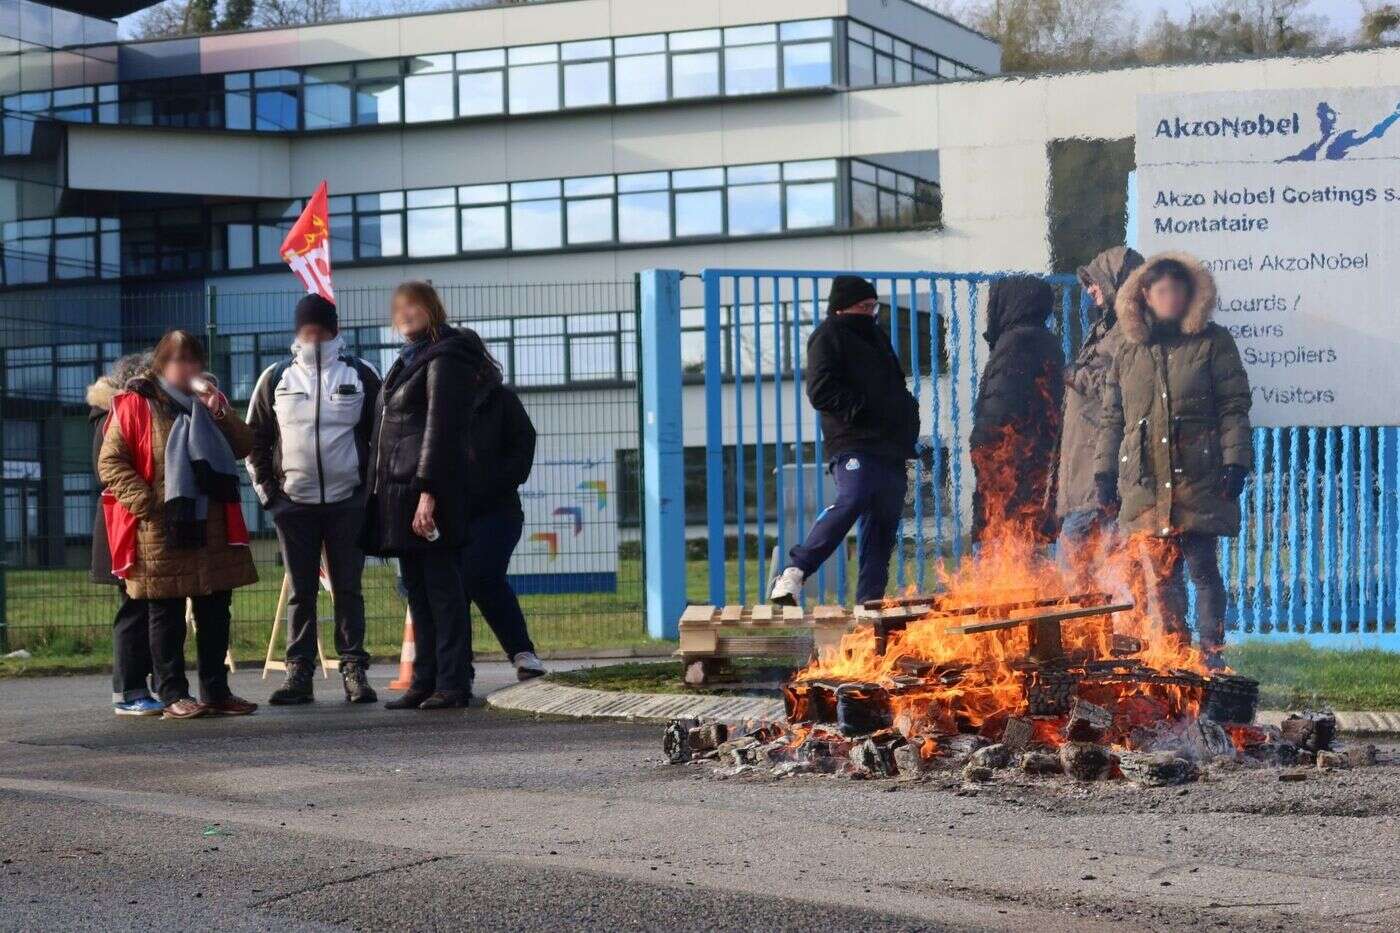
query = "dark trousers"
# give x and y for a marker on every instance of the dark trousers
(131, 649)
(1197, 554)
(873, 492)
(211, 619)
(303, 531)
(491, 541)
(442, 635)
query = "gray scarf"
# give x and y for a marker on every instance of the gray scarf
(199, 466)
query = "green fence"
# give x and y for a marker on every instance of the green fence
(569, 350)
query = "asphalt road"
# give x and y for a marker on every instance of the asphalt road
(332, 816)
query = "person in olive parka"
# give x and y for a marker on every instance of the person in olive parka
(1174, 440)
(1016, 420)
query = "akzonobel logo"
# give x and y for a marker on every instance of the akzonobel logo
(1229, 127)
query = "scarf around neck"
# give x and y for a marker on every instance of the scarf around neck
(199, 466)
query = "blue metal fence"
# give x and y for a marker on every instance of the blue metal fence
(1317, 554)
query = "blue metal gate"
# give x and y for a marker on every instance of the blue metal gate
(1318, 554)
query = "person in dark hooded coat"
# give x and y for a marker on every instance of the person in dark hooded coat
(1076, 498)
(1016, 421)
(417, 510)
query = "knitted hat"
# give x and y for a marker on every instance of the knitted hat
(313, 309)
(848, 291)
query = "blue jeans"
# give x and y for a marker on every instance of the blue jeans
(872, 492)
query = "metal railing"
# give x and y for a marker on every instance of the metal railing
(1318, 554)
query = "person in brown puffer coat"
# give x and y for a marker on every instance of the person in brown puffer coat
(1076, 501)
(1174, 440)
(173, 557)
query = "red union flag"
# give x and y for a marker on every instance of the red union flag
(307, 248)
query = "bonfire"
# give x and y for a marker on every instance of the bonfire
(1019, 658)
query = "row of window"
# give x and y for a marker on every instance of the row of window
(542, 215)
(625, 71)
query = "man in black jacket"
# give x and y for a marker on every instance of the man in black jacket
(870, 425)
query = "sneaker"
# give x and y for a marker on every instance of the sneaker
(142, 706)
(447, 699)
(296, 689)
(527, 666)
(231, 706)
(184, 708)
(354, 677)
(787, 587)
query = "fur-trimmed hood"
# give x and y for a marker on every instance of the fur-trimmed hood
(124, 369)
(1135, 320)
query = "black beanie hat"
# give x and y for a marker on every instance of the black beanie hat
(313, 309)
(846, 291)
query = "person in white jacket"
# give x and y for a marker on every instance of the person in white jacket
(311, 417)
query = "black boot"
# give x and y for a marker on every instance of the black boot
(409, 699)
(447, 699)
(356, 681)
(296, 689)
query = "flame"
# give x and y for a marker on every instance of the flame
(974, 682)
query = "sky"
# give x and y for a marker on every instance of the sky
(1345, 15)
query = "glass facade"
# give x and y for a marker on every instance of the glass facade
(475, 220)
(547, 78)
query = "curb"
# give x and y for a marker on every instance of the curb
(545, 698)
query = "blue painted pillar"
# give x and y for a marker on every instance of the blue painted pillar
(663, 460)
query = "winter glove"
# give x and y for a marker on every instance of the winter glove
(1232, 478)
(1106, 488)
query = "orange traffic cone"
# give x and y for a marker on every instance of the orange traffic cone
(406, 656)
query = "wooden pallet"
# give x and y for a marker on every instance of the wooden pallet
(710, 635)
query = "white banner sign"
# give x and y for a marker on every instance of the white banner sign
(1292, 199)
(569, 543)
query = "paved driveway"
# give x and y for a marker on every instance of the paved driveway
(309, 818)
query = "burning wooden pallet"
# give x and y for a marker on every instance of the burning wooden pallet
(711, 635)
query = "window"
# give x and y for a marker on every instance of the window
(695, 73)
(326, 100)
(751, 59)
(534, 78)
(427, 91)
(480, 93)
(754, 200)
(377, 92)
(587, 73)
(806, 64)
(484, 228)
(483, 217)
(640, 68)
(432, 224)
(882, 197)
(589, 209)
(535, 215)
(875, 57)
(699, 202)
(643, 208)
(481, 82)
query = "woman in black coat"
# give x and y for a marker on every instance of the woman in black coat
(499, 457)
(1016, 420)
(417, 509)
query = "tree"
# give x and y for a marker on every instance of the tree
(1038, 35)
(295, 12)
(238, 14)
(1381, 24)
(1234, 28)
